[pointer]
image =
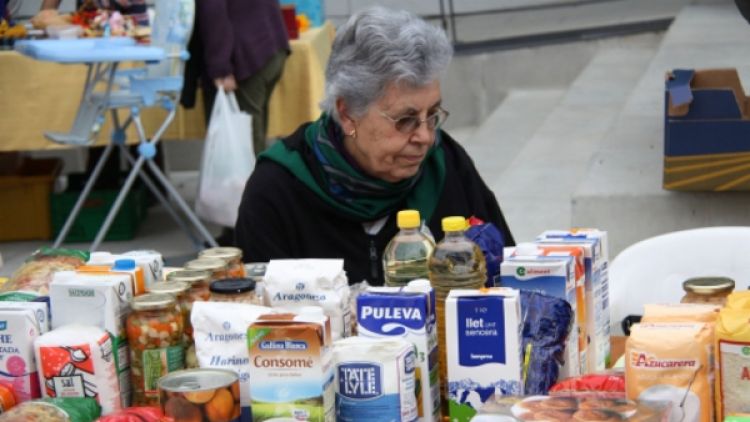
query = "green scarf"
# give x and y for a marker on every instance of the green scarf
(352, 192)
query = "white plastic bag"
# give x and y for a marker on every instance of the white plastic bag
(228, 160)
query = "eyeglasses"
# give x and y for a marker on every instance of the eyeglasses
(408, 124)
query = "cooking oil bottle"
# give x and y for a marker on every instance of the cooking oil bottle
(456, 263)
(406, 256)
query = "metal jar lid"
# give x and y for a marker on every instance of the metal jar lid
(226, 253)
(152, 301)
(190, 276)
(173, 288)
(207, 264)
(708, 285)
(230, 286)
(189, 380)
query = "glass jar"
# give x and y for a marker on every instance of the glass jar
(707, 290)
(217, 267)
(179, 290)
(232, 256)
(155, 336)
(240, 290)
(198, 282)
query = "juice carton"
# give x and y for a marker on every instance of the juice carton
(596, 261)
(553, 276)
(406, 313)
(483, 336)
(291, 369)
(18, 330)
(121, 266)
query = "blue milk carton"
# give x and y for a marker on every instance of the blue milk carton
(483, 340)
(407, 313)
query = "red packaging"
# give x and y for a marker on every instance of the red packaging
(609, 385)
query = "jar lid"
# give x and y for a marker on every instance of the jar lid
(226, 253)
(173, 288)
(152, 301)
(708, 285)
(207, 264)
(190, 276)
(230, 286)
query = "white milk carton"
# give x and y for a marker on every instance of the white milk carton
(291, 369)
(18, 330)
(375, 380)
(483, 338)
(152, 263)
(553, 277)
(406, 313)
(40, 309)
(220, 333)
(596, 260)
(294, 283)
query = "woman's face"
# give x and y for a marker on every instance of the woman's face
(382, 150)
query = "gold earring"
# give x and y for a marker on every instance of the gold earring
(353, 133)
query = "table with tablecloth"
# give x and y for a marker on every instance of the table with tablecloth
(41, 96)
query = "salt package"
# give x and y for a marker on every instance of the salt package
(78, 361)
(294, 283)
(18, 330)
(375, 380)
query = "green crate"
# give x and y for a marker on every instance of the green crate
(94, 211)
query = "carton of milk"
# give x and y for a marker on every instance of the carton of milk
(406, 313)
(291, 369)
(596, 261)
(552, 277)
(40, 309)
(483, 338)
(18, 330)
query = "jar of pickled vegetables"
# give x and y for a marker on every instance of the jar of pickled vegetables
(178, 289)
(240, 290)
(217, 267)
(232, 256)
(707, 290)
(155, 335)
(198, 281)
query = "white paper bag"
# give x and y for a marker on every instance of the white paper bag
(228, 160)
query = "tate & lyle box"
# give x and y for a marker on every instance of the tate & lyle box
(406, 313)
(596, 261)
(483, 338)
(553, 276)
(99, 300)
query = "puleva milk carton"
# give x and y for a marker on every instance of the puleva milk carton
(406, 313)
(483, 337)
(291, 369)
(553, 277)
(374, 380)
(596, 261)
(18, 330)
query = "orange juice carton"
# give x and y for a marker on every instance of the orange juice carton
(528, 268)
(18, 330)
(291, 369)
(120, 266)
(483, 338)
(375, 380)
(406, 313)
(596, 261)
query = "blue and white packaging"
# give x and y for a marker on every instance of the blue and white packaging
(596, 261)
(40, 309)
(483, 339)
(407, 313)
(374, 380)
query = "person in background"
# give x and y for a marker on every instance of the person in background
(135, 8)
(241, 46)
(333, 188)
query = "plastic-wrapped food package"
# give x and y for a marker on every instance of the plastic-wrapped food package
(547, 322)
(606, 385)
(54, 410)
(36, 273)
(135, 414)
(491, 241)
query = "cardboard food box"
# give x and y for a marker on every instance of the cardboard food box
(706, 131)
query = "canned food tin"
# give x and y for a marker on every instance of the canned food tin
(232, 256)
(200, 395)
(217, 267)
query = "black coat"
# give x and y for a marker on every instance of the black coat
(280, 217)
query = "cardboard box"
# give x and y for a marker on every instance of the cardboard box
(25, 198)
(706, 131)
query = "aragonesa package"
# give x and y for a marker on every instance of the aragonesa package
(374, 380)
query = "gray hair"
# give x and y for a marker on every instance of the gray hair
(376, 47)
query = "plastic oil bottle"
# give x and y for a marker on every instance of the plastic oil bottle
(407, 254)
(456, 263)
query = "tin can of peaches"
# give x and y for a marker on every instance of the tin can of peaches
(198, 395)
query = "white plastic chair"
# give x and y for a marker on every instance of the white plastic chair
(652, 270)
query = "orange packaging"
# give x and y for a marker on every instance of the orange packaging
(680, 312)
(120, 267)
(7, 399)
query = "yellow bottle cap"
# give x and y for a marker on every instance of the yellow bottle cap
(454, 224)
(408, 219)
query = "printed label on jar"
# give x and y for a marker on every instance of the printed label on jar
(160, 362)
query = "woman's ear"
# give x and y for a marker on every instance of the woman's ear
(348, 124)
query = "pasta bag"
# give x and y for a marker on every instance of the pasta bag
(732, 362)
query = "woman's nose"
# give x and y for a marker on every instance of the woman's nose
(423, 133)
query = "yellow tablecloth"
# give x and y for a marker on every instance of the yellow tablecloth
(37, 96)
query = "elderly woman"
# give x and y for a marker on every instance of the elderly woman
(332, 189)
